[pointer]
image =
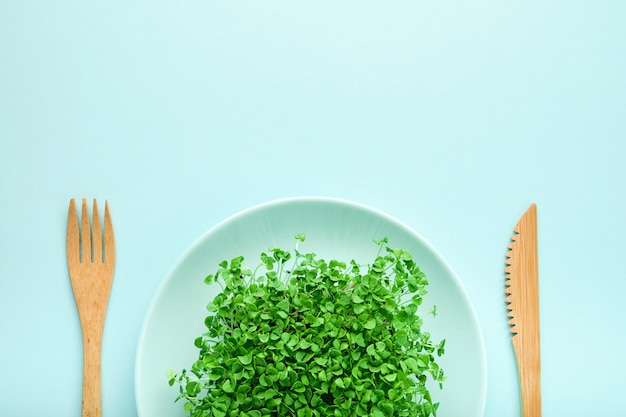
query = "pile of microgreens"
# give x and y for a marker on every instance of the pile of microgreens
(314, 339)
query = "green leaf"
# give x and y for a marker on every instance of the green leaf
(193, 388)
(298, 387)
(227, 386)
(215, 373)
(265, 381)
(218, 413)
(356, 298)
(283, 305)
(245, 359)
(359, 308)
(322, 376)
(390, 377)
(386, 407)
(370, 324)
(409, 364)
(267, 394)
(376, 412)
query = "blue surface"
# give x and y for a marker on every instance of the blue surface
(450, 116)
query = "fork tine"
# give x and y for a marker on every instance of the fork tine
(96, 234)
(109, 239)
(72, 239)
(85, 233)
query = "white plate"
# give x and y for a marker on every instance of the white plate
(335, 229)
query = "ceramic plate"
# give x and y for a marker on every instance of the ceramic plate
(335, 229)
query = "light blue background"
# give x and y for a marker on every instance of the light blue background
(452, 116)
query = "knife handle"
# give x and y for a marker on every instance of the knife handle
(529, 366)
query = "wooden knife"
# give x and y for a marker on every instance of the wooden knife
(522, 289)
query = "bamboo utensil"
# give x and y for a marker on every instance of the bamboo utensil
(91, 261)
(522, 281)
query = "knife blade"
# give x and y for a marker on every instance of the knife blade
(522, 296)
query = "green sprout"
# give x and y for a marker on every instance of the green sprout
(314, 339)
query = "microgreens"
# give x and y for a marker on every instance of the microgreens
(314, 338)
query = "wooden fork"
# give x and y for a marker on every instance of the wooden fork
(91, 261)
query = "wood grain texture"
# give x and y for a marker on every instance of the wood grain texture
(91, 262)
(522, 289)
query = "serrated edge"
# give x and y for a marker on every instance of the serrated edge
(514, 287)
(509, 277)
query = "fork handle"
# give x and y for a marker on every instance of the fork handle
(92, 388)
